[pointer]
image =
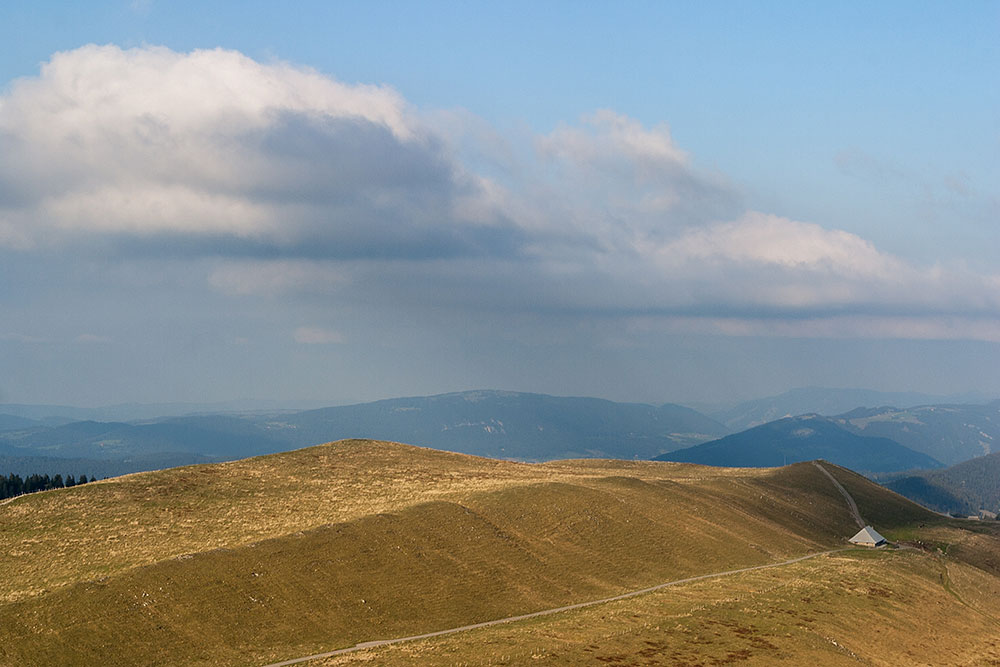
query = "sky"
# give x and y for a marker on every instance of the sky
(664, 201)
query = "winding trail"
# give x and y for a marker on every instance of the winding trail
(853, 506)
(557, 610)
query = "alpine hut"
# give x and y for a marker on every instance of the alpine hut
(868, 537)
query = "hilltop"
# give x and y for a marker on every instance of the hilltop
(290, 554)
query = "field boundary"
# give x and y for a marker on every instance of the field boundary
(547, 612)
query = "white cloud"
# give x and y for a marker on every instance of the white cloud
(300, 184)
(317, 336)
(151, 141)
(611, 182)
(609, 138)
(762, 239)
(769, 267)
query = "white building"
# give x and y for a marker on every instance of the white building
(868, 537)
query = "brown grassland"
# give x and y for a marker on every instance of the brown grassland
(847, 609)
(276, 557)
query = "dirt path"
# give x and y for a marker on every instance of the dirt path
(547, 612)
(853, 506)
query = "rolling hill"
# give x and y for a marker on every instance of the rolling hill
(292, 554)
(803, 438)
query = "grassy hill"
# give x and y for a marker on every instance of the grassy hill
(804, 438)
(254, 561)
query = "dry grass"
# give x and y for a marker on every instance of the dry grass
(433, 565)
(880, 609)
(51, 539)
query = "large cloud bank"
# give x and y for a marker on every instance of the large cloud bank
(289, 181)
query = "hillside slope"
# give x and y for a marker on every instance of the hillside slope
(804, 438)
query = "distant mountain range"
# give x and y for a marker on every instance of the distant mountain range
(949, 433)
(512, 425)
(961, 489)
(502, 424)
(14, 422)
(496, 424)
(128, 412)
(217, 436)
(803, 438)
(825, 401)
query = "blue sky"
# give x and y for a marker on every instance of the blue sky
(654, 201)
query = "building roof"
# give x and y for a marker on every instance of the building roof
(868, 535)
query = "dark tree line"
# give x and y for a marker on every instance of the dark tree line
(14, 485)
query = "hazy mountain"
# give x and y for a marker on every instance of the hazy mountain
(218, 437)
(510, 425)
(516, 425)
(128, 412)
(14, 422)
(804, 438)
(962, 489)
(489, 423)
(948, 433)
(823, 401)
